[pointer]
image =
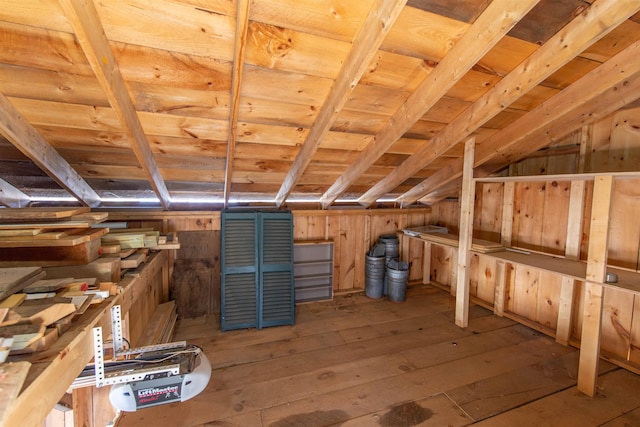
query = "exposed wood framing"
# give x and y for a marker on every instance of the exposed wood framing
(572, 251)
(84, 19)
(466, 235)
(497, 19)
(609, 87)
(380, 19)
(590, 26)
(11, 197)
(596, 271)
(242, 26)
(28, 140)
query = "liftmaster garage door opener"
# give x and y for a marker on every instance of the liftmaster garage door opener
(152, 375)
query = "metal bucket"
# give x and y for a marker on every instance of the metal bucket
(374, 275)
(397, 279)
(391, 245)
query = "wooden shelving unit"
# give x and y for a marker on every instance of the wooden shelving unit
(591, 273)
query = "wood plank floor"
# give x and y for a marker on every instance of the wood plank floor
(359, 362)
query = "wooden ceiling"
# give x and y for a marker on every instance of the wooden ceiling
(184, 103)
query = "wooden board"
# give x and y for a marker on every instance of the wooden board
(80, 237)
(44, 214)
(133, 260)
(12, 376)
(45, 314)
(13, 300)
(47, 285)
(103, 269)
(49, 256)
(477, 245)
(14, 279)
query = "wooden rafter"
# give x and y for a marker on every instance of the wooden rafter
(606, 89)
(11, 197)
(497, 19)
(590, 26)
(83, 17)
(380, 19)
(28, 140)
(242, 26)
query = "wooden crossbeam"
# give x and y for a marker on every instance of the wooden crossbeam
(83, 17)
(11, 197)
(379, 21)
(15, 128)
(497, 19)
(590, 26)
(604, 90)
(242, 27)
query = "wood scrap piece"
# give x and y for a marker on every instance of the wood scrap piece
(48, 285)
(126, 241)
(21, 232)
(134, 260)
(14, 279)
(12, 377)
(72, 239)
(103, 269)
(109, 249)
(11, 318)
(23, 334)
(13, 300)
(43, 214)
(160, 327)
(49, 336)
(3, 313)
(94, 217)
(45, 314)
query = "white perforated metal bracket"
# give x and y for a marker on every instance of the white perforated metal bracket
(98, 358)
(116, 329)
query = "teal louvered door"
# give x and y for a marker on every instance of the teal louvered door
(257, 287)
(276, 265)
(239, 281)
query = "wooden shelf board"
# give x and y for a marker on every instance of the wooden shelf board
(558, 177)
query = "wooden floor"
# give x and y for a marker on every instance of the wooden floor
(359, 362)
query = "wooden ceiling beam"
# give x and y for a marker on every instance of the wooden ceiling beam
(11, 197)
(379, 21)
(608, 88)
(587, 28)
(15, 128)
(242, 27)
(83, 17)
(497, 19)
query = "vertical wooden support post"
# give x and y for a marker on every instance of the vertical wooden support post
(572, 252)
(594, 288)
(426, 263)
(507, 213)
(467, 198)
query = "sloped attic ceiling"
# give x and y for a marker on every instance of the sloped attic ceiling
(273, 102)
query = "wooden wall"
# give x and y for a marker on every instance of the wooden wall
(540, 222)
(196, 270)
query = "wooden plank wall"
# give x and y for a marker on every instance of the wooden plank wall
(353, 232)
(540, 220)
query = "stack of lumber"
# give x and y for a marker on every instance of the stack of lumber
(477, 245)
(160, 327)
(49, 236)
(35, 311)
(119, 239)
